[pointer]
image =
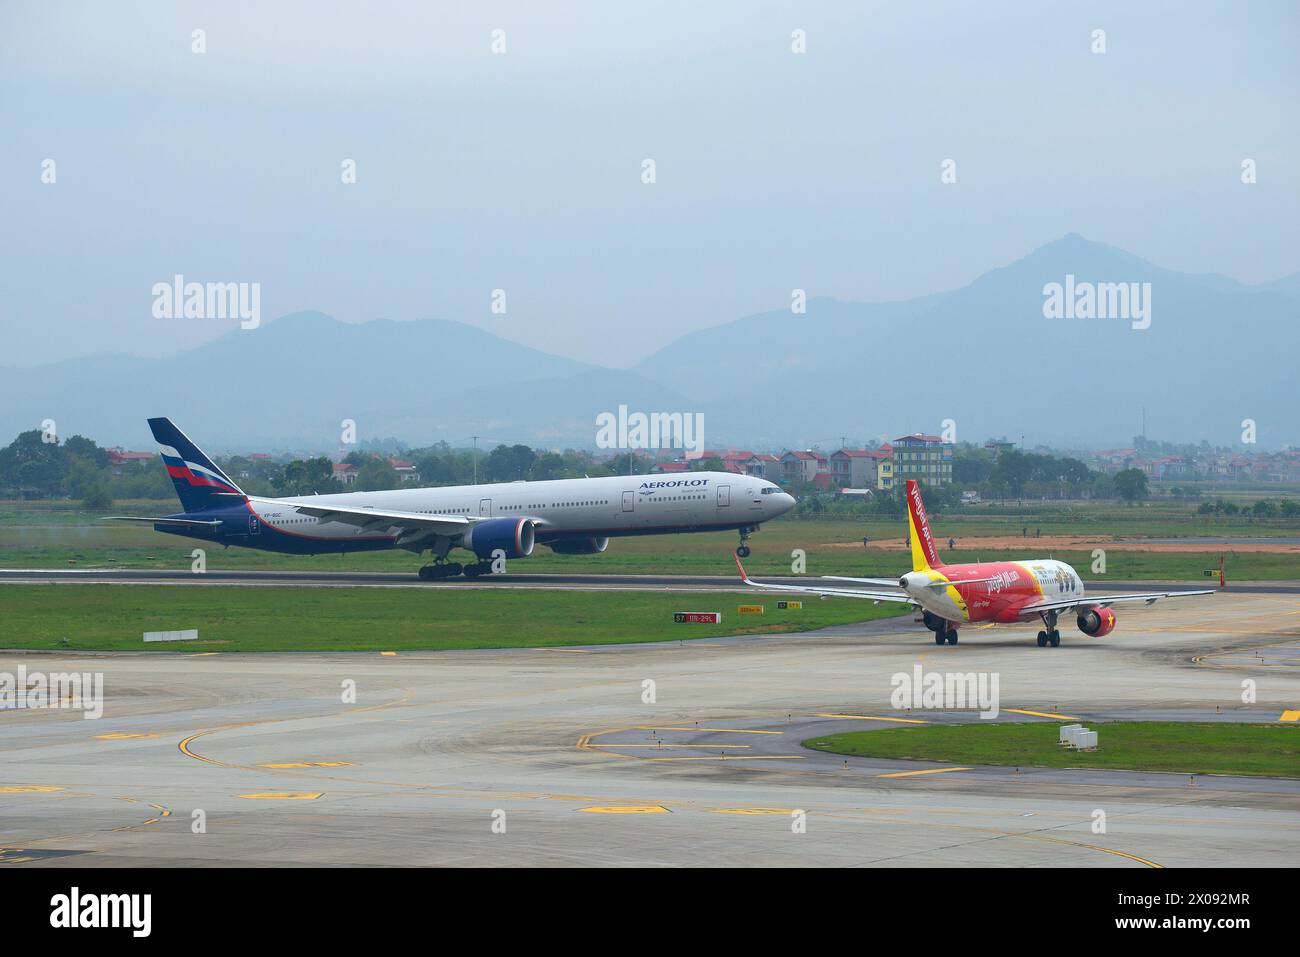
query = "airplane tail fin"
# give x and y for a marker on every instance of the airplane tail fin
(200, 484)
(924, 555)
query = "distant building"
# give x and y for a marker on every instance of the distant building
(119, 459)
(885, 466)
(802, 466)
(660, 468)
(345, 473)
(855, 468)
(926, 458)
(406, 471)
(764, 465)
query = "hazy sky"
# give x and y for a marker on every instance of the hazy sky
(522, 171)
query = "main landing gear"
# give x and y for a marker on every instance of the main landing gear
(1051, 636)
(944, 631)
(440, 570)
(743, 550)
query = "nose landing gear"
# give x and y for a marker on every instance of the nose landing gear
(743, 549)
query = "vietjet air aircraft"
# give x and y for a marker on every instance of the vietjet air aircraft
(570, 516)
(1002, 592)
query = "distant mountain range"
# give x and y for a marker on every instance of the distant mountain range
(1217, 351)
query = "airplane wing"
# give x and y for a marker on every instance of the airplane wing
(366, 517)
(885, 582)
(894, 581)
(830, 592)
(1091, 601)
(185, 522)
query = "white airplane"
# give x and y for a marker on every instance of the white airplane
(495, 522)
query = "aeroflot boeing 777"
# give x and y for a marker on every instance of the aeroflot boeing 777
(570, 516)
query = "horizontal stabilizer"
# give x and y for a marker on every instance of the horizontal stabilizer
(183, 522)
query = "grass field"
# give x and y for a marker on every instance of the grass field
(1271, 750)
(39, 536)
(113, 617)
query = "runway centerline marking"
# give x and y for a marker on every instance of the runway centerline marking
(908, 774)
(626, 809)
(872, 717)
(283, 795)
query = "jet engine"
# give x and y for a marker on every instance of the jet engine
(1097, 622)
(514, 536)
(580, 546)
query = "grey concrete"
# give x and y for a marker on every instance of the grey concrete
(437, 742)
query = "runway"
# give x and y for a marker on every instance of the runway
(307, 579)
(566, 756)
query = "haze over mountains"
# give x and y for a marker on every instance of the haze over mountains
(1217, 351)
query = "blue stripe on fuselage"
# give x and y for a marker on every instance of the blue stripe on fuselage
(236, 530)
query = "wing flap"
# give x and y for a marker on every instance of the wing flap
(371, 518)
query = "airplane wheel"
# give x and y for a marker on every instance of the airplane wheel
(939, 638)
(424, 574)
(1042, 639)
(743, 551)
(473, 571)
(1054, 639)
(952, 636)
(454, 569)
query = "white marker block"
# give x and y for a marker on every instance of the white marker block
(189, 634)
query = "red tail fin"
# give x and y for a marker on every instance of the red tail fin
(924, 554)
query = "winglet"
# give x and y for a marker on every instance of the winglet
(743, 576)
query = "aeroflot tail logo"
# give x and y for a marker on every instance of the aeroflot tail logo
(75, 909)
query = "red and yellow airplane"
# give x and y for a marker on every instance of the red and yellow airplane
(1001, 592)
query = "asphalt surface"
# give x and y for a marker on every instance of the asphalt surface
(141, 576)
(570, 751)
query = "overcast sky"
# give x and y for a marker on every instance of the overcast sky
(523, 171)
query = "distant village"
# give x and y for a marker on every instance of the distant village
(921, 456)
